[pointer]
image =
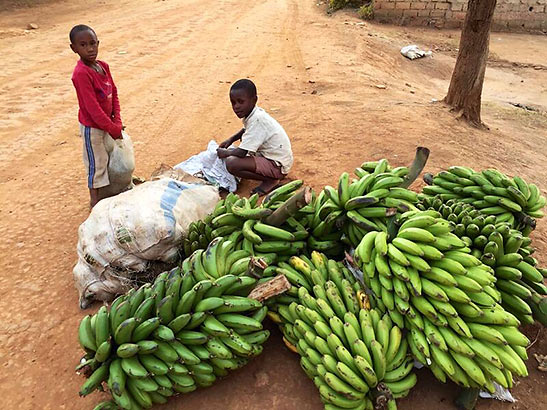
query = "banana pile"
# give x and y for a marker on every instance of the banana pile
(180, 333)
(506, 250)
(426, 278)
(448, 276)
(356, 357)
(511, 200)
(242, 220)
(334, 218)
(358, 206)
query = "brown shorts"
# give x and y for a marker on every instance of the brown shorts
(268, 168)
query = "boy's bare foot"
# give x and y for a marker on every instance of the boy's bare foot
(265, 187)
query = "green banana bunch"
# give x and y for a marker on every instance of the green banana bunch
(538, 304)
(223, 256)
(504, 249)
(189, 327)
(428, 281)
(198, 237)
(355, 207)
(347, 350)
(464, 214)
(221, 222)
(241, 220)
(282, 194)
(511, 200)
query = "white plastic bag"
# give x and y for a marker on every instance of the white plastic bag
(413, 52)
(121, 164)
(211, 167)
(125, 232)
(122, 159)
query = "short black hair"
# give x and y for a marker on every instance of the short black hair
(78, 29)
(245, 84)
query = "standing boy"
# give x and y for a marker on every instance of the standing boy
(264, 153)
(99, 113)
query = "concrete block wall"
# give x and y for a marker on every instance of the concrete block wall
(518, 15)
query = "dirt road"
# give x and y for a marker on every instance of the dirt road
(340, 88)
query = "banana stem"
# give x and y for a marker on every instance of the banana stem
(380, 396)
(422, 154)
(290, 207)
(467, 399)
(256, 267)
(271, 288)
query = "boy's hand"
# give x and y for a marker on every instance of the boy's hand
(223, 152)
(225, 144)
(116, 133)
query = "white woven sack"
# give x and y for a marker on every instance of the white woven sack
(124, 233)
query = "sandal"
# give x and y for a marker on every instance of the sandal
(258, 190)
(261, 192)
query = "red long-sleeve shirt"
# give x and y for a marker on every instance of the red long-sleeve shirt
(98, 98)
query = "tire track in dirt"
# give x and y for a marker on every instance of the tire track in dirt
(294, 31)
(291, 30)
(250, 60)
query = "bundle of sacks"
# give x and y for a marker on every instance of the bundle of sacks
(124, 234)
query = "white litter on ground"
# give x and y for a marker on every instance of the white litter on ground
(413, 52)
(501, 393)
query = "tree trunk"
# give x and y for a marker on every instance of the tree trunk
(464, 93)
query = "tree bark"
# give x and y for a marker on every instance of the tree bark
(464, 93)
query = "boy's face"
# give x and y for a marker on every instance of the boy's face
(242, 102)
(86, 46)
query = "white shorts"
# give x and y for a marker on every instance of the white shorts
(95, 156)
